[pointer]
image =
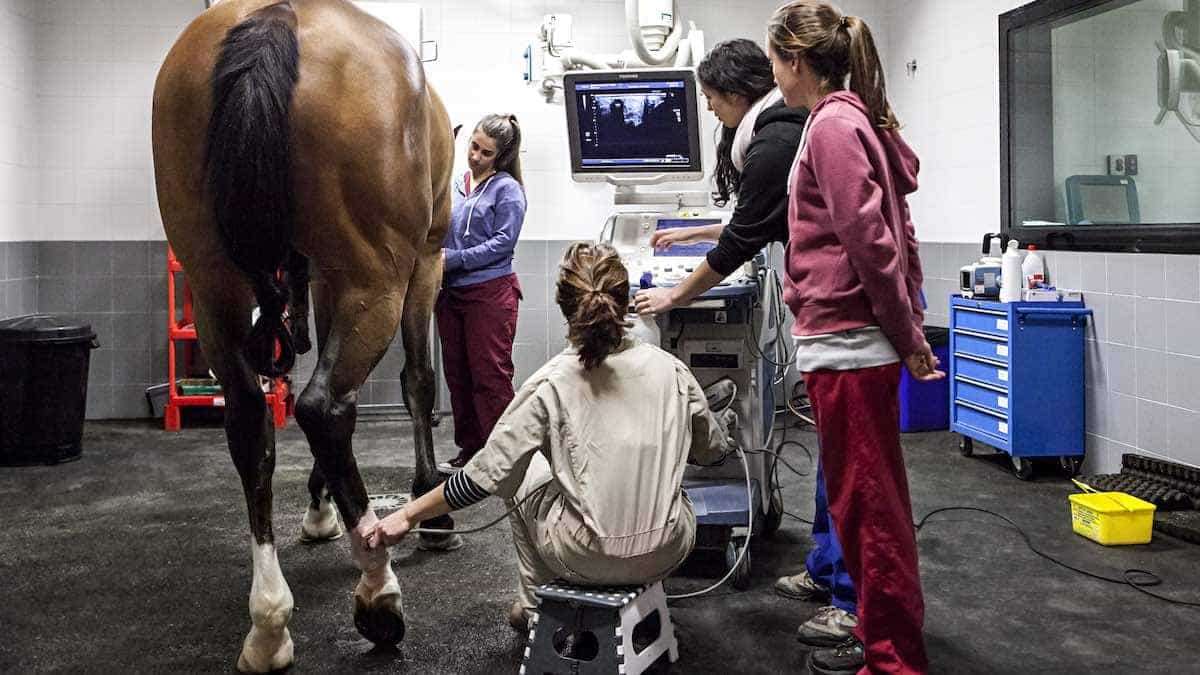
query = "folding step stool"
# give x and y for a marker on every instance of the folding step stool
(610, 614)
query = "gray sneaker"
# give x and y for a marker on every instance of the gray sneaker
(801, 587)
(829, 627)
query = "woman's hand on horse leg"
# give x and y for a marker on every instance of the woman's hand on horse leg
(389, 531)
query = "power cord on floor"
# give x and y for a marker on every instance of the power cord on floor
(1138, 579)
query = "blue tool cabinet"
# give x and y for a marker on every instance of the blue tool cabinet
(1016, 379)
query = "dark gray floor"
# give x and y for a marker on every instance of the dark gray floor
(135, 559)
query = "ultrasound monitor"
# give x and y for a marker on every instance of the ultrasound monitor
(636, 125)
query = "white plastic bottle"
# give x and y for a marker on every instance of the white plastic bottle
(1033, 269)
(1010, 274)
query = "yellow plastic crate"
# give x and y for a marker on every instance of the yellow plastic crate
(1112, 518)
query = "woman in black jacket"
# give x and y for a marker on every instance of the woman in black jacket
(759, 137)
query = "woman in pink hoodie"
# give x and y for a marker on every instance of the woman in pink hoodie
(853, 283)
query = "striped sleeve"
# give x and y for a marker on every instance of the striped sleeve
(462, 492)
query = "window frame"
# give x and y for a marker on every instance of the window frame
(1132, 238)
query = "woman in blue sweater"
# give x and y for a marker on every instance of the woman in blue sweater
(477, 308)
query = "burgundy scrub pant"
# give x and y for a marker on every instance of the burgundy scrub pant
(477, 324)
(858, 423)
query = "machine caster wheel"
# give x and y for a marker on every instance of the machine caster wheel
(774, 516)
(966, 446)
(1071, 465)
(741, 576)
(1022, 467)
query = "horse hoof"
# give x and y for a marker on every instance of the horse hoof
(320, 525)
(440, 542)
(381, 621)
(266, 655)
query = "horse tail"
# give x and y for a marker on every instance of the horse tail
(248, 168)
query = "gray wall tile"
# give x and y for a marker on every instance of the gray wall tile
(131, 294)
(527, 358)
(158, 258)
(1095, 458)
(1183, 382)
(56, 296)
(93, 259)
(99, 401)
(1122, 418)
(129, 401)
(1093, 273)
(132, 258)
(102, 326)
(1182, 277)
(131, 367)
(1151, 324)
(1184, 429)
(1150, 275)
(28, 296)
(1183, 327)
(1096, 412)
(4, 245)
(530, 258)
(1152, 426)
(1151, 375)
(1098, 323)
(94, 294)
(1122, 277)
(1066, 271)
(27, 257)
(534, 291)
(131, 331)
(387, 391)
(56, 259)
(1122, 370)
(1096, 365)
(100, 368)
(1122, 319)
(531, 326)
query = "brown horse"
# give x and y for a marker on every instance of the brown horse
(301, 135)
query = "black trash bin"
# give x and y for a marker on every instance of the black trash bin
(43, 388)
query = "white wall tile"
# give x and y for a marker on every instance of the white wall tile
(1182, 278)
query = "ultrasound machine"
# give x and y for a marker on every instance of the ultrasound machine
(633, 128)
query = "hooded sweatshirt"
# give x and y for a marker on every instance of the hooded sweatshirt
(760, 216)
(852, 258)
(485, 223)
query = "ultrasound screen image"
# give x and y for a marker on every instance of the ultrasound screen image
(633, 123)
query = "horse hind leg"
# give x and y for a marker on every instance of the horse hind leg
(222, 305)
(419, 386)
(320, 519)
(361, 324)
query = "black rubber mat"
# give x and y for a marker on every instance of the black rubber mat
(1163, 496)
(1184, 525)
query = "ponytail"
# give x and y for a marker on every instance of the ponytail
(836, 47)
(593, 293)
(866, 73)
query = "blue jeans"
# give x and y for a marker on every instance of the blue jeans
(824, 562)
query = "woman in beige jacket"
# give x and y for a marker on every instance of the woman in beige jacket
(593, 449)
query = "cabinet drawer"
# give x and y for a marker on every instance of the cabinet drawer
(981, 321)
(982, 396)
(989, 348)
(972, 417)
(989, 373)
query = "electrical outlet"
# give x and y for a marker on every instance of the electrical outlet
(1122, 165)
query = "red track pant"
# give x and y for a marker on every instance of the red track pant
(858, 422)
(477, 325)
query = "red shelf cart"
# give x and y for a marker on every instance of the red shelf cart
(181, 327)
